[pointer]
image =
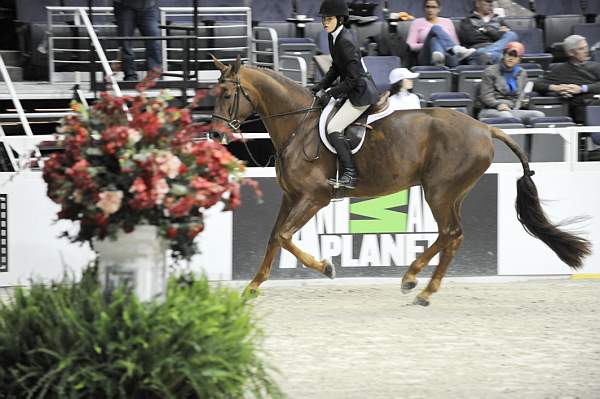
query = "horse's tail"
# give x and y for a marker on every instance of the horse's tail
(569, 247)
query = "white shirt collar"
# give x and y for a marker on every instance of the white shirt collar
(336, 32)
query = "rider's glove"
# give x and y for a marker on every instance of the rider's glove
(323, 97)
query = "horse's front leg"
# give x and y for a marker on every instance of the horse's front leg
(301, 213)
(272, 247)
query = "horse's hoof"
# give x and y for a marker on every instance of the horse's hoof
(329, 270)
(251, 292)
(408, 286)
(421, 301)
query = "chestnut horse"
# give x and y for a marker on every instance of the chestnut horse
(443, 150)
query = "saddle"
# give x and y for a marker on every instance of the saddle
(355, 132)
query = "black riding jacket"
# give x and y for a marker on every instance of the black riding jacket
(355, 83)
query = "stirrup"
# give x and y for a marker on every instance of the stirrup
(337, 183)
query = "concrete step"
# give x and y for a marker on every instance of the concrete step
(11, 57)
(15, 73)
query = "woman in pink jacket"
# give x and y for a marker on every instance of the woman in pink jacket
(434, 38)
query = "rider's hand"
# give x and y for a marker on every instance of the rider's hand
(316, 88)
(323, 97)
(335, 93)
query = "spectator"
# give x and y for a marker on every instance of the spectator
(577, 80)
(434, 38)
(502, 87)
(485, 31)
(401, 95)
(144, 15)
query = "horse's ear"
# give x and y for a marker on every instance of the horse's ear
(237, 64)
(222, 67)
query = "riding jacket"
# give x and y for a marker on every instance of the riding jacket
(355, 83)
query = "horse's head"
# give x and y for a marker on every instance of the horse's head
(233, 104)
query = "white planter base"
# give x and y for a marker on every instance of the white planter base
(136, 260)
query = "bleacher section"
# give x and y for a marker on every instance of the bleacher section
(287, 36)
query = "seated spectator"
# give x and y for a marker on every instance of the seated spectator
(434, 38)
(401, 95)
(486, 32)
(577, 80)
(502, 84)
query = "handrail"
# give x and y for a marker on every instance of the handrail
(22, 117)
(98, 47)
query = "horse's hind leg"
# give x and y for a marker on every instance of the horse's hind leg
(453, 234)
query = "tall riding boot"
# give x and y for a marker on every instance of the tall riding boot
(349, 175)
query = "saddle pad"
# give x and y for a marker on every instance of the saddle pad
(370, 119)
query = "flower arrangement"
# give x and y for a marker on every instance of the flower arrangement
(133, 160)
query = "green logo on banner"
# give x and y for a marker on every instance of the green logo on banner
(381, 218)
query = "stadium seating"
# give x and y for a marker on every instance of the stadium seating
(380, 67)
(590, 31)
(504, 123)
(557, 28)
(432, 79)
(469, 77)
(552, 121)
(550, 105)
(533, 40)
(557, 7)
(458, 101)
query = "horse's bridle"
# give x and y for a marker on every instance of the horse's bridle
(233, 122)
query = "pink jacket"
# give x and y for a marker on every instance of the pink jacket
(420, 28)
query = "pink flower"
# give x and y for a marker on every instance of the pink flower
(138, 186)
(168, 163)
(110, 201)
(134, 136)
(160, 189)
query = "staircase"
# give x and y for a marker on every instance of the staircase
(11, 59)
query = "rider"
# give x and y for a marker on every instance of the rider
(355, 84)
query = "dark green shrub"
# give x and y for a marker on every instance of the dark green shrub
(66, 341)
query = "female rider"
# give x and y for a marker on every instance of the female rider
(355, 84)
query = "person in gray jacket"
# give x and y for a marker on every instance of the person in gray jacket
(502, 88)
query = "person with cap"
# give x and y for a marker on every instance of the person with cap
(502, 90)
(401, 85)
(434, 38)
(355, 85)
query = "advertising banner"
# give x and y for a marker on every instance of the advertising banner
(374, 237)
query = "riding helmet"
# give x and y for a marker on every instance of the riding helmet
(333, 8)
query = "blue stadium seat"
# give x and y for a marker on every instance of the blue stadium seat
(590, 31)
(550, 105)
(520, 22)
(380, 68)
(455, 100)
(558, 27)
(533, 40)
(557, 7)
(552, 121)
(432, 79)
(534, 70)
(469, 77)
(504, 123)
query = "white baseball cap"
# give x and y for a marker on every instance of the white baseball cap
(397, 74)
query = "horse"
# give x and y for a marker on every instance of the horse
(444, 151)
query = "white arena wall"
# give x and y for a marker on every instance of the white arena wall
(31, 246)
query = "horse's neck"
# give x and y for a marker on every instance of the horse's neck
(274, 96)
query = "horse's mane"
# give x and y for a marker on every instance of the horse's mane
(283, 80)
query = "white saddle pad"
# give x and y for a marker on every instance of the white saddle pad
(370, 119)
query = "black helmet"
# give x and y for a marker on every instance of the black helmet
(333, 8)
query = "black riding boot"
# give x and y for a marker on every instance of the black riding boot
(349, 175)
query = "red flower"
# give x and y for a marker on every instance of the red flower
(171, 232)
(181, 207)
(148, 123)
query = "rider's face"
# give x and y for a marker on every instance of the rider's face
(329, 23)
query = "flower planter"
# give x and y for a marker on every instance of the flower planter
(136, 260)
